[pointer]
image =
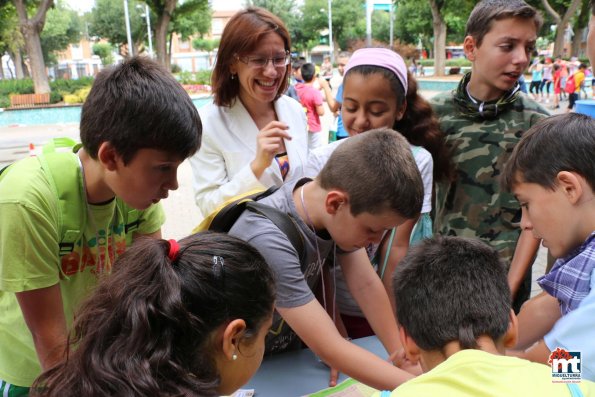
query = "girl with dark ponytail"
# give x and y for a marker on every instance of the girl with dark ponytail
(185, 319)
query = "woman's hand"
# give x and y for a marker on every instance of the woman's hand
(269, 143)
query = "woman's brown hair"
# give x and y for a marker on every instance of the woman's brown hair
(240, 36)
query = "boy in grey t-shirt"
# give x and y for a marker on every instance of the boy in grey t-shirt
(369, 185)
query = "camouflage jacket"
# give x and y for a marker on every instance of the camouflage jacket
(474, 205)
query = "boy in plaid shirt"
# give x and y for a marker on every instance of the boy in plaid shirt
(552, 174)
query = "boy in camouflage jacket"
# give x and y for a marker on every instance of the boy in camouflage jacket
(483, 119)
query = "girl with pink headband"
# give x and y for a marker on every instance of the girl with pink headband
(379, 92)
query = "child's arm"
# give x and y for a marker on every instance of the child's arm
(317, 330)
(320, 110)
(537, 317)
(398, 249)
(524, 254)
(44, 315)
(330, 100)
(368, 291)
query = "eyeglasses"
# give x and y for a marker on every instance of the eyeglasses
(256, 61)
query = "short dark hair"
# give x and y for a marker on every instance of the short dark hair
(138, 104)
(308, 71)
(240, 36)
(487, 11)
(377, 171)
(451, 289)
(297, 64)
(564, 142)
(148, 329)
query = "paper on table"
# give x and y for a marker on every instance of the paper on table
(243, 393)
(347, 388)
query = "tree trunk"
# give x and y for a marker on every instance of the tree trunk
(575, 48)
(561, 23)
(161, 31)
(17, 61)
(31, 29)
(439, 39)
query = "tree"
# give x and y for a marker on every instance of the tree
(11, 39)
(206, 45)
(168, 11)
(62, 27)
(31, 29)
(439, 26)
(561, 22)
(288, 11)
(348, 20)
(107, 21)
(104, 52)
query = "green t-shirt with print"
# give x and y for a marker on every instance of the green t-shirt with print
(29, 258)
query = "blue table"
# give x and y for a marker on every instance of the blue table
(586, 106)
(298, 373)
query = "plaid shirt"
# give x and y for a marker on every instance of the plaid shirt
(570, 277)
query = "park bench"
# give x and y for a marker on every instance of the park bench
(27, 100)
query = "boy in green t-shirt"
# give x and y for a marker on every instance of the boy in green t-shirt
(455, 319)
(483, 119)
(137, 126)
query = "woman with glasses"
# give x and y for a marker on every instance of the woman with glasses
(254, 137)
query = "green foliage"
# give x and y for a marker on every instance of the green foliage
(10, 36)
(16, 86)
(202, 77)
(105, 52)
(414, 21)
(61, 88)
(207, 45)
(175, 68)
(107, 21)
(286, 11)
(62, 27)
(79, 96)
(455, 62)
(348, 20)
(69, 86)
(192, 18)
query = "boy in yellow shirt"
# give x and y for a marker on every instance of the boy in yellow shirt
(455, 318)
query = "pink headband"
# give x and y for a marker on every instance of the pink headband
(381, 57)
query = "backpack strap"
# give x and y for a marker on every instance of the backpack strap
(284, 222)
(62, 169)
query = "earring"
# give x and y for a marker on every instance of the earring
(233, 77)
(234, 357)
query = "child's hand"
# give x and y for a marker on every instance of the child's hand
(400, 359)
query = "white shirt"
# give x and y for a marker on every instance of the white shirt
(221, 167)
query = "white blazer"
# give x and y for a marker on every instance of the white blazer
(221, 167)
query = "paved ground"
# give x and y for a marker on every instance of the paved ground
(182, 214)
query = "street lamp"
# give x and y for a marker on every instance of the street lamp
(330, 31)
(128, 35)
(147, 17)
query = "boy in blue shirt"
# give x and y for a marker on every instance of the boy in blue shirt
(552, 174)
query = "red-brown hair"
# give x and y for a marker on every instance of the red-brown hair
(240, 36)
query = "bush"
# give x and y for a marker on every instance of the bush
(454, 62)
(78, 89)
(175, 68)
(14, 86)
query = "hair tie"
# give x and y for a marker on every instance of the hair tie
(174, 248)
